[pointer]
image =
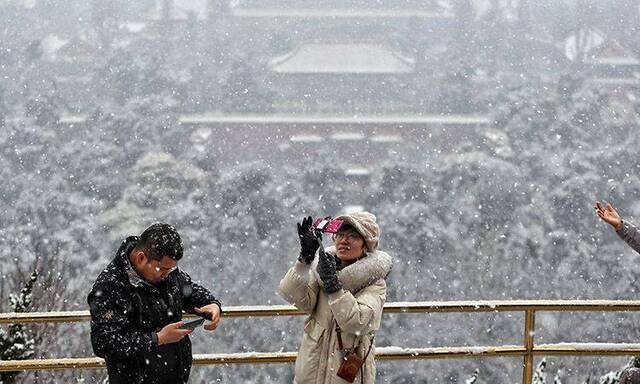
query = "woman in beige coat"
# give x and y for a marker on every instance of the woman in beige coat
(343, 290)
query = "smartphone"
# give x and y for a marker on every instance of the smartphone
(192, 324)
(327, 224)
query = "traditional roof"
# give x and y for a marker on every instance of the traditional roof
(343, 58)
(181, 10)
(584, 40)
(340, 13)
(216, 118)
(599, 49)
(75, 49)
(341, 9)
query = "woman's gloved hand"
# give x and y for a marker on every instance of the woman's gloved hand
(308, 241)
(328, 272)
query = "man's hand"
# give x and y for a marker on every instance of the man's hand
(213, 314)
(172, 333)
(609, 215)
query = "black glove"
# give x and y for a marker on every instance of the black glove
(328, 273)
(308, 241)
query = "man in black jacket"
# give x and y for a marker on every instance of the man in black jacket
(136, 309)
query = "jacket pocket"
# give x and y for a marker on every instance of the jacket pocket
(313, 329)
(308, 361)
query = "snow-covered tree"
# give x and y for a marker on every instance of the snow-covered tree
(16, 342)
(539, 375)
(474, 377)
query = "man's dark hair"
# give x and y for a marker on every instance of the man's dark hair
(630, 376)
(160, 240)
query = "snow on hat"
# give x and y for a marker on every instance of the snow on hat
(365, 224)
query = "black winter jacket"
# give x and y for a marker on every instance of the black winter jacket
(126, 313)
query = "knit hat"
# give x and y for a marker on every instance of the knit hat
(365, 224)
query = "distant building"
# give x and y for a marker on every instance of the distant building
(610, 65)
(333, 55)
(177, 10)
(606, 57)
(340, 74)
(337, 58)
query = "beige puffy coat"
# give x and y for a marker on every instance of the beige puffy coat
(357, 309)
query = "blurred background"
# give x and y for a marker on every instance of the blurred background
(479, 132)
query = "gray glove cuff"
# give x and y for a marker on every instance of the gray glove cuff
(332, 285)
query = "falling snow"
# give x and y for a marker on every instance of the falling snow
(479, 132)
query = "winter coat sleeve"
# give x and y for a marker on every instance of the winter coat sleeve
(361, 313)
(195, 295)
(111, 333)
(298, 288)
(630, 234)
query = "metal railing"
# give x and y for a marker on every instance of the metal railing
(528, 349)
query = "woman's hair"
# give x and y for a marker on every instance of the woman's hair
(348, 227)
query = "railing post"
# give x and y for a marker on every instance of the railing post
(529, 332)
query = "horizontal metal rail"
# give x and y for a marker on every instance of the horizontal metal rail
(382, 353)
(396, 307)
(527, 350)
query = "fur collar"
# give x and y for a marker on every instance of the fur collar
(354, 277)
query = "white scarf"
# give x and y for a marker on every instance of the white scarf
(354, 277)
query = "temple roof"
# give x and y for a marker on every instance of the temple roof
(180, 10)
(598, 48)
(343, 58)
(343, 9)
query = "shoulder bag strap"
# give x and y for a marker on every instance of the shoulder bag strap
(339, 333)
